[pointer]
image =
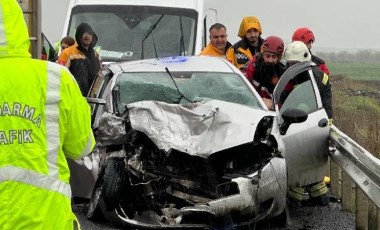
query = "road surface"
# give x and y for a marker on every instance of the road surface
(307, 217)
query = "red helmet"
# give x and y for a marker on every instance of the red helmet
(273, 44)
(303, 34)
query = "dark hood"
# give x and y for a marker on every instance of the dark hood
(81, 29)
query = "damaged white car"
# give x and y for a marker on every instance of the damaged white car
(186, 142)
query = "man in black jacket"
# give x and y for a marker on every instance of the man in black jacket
(81, 59)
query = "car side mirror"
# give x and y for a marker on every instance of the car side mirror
(290, 116)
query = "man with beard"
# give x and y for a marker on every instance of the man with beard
(242, 51)
(218, 41)
(264, 69)
(81, 59)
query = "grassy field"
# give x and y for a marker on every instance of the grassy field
(356, 71)
(356, 113)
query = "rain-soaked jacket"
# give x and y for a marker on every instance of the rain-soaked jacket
(321, 64)
(43, 118)
(239, 54)
(263, 77)
(83, 64)
(211, 50)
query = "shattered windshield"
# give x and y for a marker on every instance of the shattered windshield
(125, 31)
(194, 86)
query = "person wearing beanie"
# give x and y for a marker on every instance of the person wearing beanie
(306, 36)
(81, 59)
(242, 51)
(264, 69)
(295, 52)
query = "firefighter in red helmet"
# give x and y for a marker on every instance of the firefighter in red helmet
(306, 36)
(264, 69)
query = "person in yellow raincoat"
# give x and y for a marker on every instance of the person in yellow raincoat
(242, 51)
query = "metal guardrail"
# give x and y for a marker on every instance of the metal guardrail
(355, 180)
(358, 163)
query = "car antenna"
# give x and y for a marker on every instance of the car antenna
(171, 76)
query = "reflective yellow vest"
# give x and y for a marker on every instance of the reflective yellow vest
(43, 119)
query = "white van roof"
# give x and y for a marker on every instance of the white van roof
(191, 4)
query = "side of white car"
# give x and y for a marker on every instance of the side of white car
(302, 136)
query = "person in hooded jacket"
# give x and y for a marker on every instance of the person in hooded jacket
(43, 119)
(242, 51)
(81, 59)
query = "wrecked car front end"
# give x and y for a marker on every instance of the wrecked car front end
(184, 142)
(199, 165)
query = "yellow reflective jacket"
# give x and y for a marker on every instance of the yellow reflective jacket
(211, 50)
(239, 54)
(43, 119)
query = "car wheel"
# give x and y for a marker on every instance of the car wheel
(112, 183)
(94, 210)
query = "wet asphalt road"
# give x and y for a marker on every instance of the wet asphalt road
(308, 217)
(86, 224)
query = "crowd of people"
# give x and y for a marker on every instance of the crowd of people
(34, 177)
(259, 60)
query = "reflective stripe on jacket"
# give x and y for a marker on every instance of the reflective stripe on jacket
(238, 57)
(43, 120)
(239, 54)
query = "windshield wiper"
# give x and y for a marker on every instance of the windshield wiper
(182, 95)
(146, 35)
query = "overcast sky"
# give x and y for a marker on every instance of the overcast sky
(337, 24)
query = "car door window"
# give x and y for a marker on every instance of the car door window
(99, 84)
(96, 91)
(301, 95)
(48, 52)
(297, 89)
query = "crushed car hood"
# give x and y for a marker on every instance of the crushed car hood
(198, 129)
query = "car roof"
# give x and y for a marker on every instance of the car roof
(178, 63)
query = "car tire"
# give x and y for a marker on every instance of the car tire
(112, 182)
(94, 211)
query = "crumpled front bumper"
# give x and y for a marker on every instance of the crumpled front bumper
(261, 195)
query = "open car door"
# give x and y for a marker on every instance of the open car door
(303, 125)
(48, 52)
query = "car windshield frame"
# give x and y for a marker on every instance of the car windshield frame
(125, 30)
(192, 87)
